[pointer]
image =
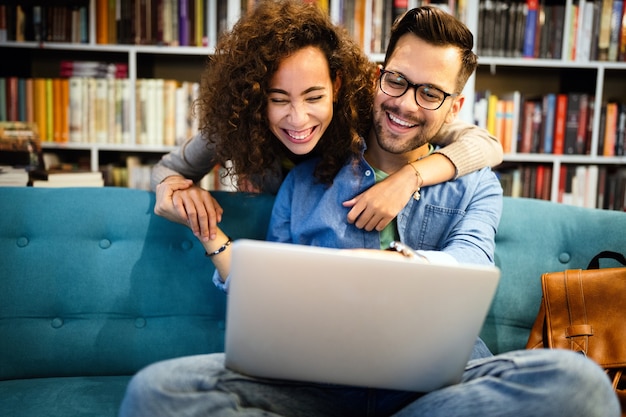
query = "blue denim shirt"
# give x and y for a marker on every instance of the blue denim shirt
(456, 219)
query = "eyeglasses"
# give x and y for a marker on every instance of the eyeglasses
(426, 96)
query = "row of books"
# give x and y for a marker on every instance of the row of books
(507, 29)
(67, 22)
(589, 186)
(141, 22)
(98, 110)
(588, 30)
(96, 69)
(555, 123)
(158, 22)
(353, 16)
(181, 22)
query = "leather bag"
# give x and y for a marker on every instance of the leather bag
(585, 311)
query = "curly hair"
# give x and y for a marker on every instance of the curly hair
(233, 100)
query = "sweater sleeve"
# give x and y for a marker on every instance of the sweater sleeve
(193, 159)
(468, 147)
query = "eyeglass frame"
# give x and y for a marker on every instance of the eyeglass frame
(409, 84)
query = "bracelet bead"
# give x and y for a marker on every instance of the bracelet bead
(220, 249)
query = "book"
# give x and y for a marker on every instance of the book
(50, 110)
(604, 32)
(557, 30)
(548, 108)
(492, 113)
(622, 43)
(58, 109)
(76, 85)
(101, 110)
(614, 32)
(560, 118)
(64, 118)
(13, 177)
(530, 140)
(620, 130)
(511, 110)
(69, 183)
(571, 36)
(102, 24)
(530, 29)
(169, 112)
(65, 175)
(595, 29)
(610, 129)
(12, 99)
(572, 122)
(584, 37)
(39, 100)
(583, 120)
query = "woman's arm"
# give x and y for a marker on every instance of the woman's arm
(219, 251)
(178, 199)
(464, 148)
(468, 147)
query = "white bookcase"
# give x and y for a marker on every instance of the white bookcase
(498, 74)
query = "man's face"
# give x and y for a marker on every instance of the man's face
(400, 124)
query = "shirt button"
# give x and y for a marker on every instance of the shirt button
(368, 173)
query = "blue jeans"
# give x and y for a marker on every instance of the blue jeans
(522, 383)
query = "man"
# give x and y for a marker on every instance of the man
(428, 61)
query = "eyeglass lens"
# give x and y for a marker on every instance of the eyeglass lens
(427, 97)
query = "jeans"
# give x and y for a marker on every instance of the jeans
(517, 384)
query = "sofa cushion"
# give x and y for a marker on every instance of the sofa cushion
(97, 396)
(536, 236)
(92, 282)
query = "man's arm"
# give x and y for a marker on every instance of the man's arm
(465, 148)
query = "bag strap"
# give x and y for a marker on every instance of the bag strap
(595, 262)
(579, 330)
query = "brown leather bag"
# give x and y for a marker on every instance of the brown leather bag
(585, 311)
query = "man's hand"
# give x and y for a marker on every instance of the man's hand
(379, 205)
(180, 201)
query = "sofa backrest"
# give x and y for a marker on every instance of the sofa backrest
(536, 236)
(92, 282)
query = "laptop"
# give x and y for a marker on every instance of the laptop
(334, 316)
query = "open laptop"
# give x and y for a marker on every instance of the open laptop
(333, 316)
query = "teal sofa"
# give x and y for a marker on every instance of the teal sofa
(94, 286)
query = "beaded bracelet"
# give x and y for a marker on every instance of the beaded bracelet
(220, 249)
(420, 181)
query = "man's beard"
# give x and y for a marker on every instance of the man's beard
(398, 144)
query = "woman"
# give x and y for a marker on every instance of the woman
(233, 112)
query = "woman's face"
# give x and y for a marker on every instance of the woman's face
(300, 100)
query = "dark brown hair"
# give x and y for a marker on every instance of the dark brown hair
(437, 27)
(233, 100)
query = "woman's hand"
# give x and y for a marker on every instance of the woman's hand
(180, 200)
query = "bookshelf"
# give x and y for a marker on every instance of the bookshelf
(566, 62)
(553, 68)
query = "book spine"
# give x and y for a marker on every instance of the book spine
(530, 28)
(549, 113)
(559, 124)
(571, 123)
(583, 120)
(616, 26)
(610, 129)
